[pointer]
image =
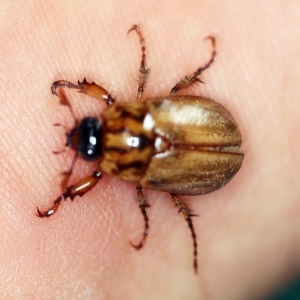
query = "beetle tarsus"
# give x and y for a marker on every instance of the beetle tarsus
(182, 207)
(191, 226)
(144, 73)
(143, 206)
(188, 81)
(62, 83)
(146, 230)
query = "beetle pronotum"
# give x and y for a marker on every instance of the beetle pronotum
(184, 145)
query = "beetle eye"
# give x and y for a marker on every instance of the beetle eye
(89, 139)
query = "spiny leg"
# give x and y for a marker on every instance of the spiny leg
(190, 80)
(91, 89)
(143, 206)
(143, 72)
(188, 217)
(78, 189)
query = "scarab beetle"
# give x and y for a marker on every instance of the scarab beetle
(184, 145)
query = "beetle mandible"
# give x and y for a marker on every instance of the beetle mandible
(184, 145)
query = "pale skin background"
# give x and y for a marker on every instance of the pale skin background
(248, 232)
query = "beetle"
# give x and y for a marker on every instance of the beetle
(183, 145)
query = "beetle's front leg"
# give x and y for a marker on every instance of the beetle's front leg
(78, 189)
(91, 89)
(143, 206)
(188, 217)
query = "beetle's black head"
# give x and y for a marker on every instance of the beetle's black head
(86, 139)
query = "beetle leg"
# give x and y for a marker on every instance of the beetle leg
(78, 189)
(91, 89)
(187, 81)
(188, 217)
(143, 74)
(143, 206)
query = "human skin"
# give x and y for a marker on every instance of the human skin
(248, 232)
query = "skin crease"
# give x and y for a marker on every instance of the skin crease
(248, 232)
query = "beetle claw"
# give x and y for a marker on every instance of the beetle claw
(53, 90)
(52, 210)
(42, 214)
(139, 246)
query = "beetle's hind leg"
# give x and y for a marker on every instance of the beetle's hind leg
(143, 207)
(188, 217)
(187, 81)
(78, 189)
(91, 89)
(143, 74)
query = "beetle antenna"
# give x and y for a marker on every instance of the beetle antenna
(67, 174)
(64, 127)
(65, 101)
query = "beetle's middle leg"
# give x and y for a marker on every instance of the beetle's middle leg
(187, 81)
(78, 189)
(143, 206)
(143, 74)
(188, 217)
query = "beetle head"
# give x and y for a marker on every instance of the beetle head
(86, 139)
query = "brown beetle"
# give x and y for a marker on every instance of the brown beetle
(184, 145)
